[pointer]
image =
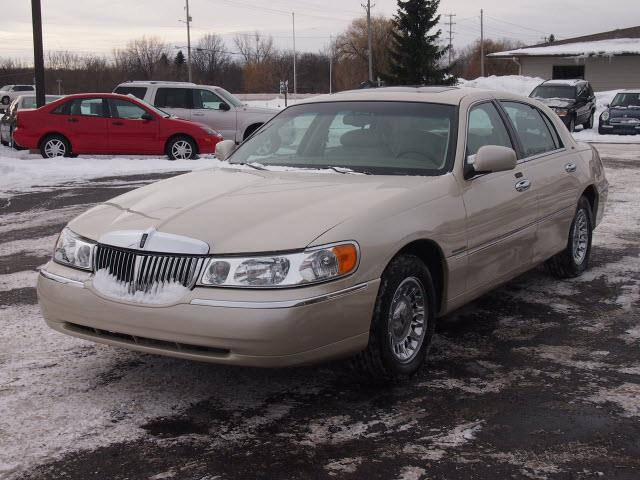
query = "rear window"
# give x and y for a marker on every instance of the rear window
(138, 92)
(23, 88)
(173, 98)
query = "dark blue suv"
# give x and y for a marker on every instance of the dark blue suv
(622, 116)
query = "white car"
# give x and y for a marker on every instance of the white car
(213, 106)
(9, 93)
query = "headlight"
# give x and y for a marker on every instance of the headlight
(315, 265)
(605, 115)
(561, 112)
(74, 251)
(211, 131)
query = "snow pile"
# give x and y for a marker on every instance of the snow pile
(159, 294)
(516, 84)
(599, 48)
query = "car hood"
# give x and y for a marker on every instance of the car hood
(241, 211)
(557, 102)
(624, 112)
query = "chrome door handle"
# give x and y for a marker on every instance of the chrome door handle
(523, 185)
(198, 114)
(570, 167)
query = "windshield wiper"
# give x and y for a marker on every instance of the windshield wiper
(257, 166)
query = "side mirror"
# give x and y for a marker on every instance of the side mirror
(146, 116)
(224, 149)
(490, 159)
(608, 105)
(224, 107)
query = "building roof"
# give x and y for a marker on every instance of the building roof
(625, 41)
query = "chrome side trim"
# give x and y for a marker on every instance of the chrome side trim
(60, 279)
(281, 304)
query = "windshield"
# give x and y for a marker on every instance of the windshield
(229, 97)
(626, 100)
(30, 101)
(388, 138)
(554, 91)
(5, 88)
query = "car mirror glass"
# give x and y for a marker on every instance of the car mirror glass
(224, 107)
(147, 116)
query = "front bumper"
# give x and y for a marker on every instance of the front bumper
(274, 328)
(620, 128)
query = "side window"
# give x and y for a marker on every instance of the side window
(23, 88)
(486, 128)
(206, 99)
(139, 92)
(533, 131)
(90, 107)
(173, 98)
(126, 110)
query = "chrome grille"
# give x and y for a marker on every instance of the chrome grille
(142, 271)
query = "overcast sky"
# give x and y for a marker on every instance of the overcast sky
(99, 26)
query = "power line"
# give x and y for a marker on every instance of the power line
(450, 23)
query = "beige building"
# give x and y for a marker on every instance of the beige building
(609, 60)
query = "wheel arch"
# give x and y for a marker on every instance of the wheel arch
(591, 194)
(251, 129)
(431, 254)
(176, 135)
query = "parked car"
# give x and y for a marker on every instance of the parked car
(388, 208)
(622, 116)
(572, 100)
(213, 106)
(8, 120)
(108, 123)
(9, 93)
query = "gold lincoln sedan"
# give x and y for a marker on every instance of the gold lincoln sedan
(345, 226)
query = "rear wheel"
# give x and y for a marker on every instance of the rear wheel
(574, 259)
(5, 100)
(182, 148)
(55, 146)
(572, 124)
(403, 321)
(589, 124)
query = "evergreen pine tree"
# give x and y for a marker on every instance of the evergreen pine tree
(179, 60)
(415, 53)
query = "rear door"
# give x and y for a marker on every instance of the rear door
(176, 101)
(501, 207)
(553, 170)
(85, 125)
(129, 132)
(213, 111)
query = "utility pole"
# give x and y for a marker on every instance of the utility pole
(38, 52)
(369, 50)
(330, 64)
(451, 23)
(481, 42)
(295, 78)
(188, 41)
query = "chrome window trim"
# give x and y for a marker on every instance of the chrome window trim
(541, 155)
(280, 304)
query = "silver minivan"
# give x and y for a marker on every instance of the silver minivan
(213, 106)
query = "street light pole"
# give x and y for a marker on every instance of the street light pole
(369, 41)
(188, 42)
(38, 51)
(295, 78)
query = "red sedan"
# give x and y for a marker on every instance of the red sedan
(108, 123)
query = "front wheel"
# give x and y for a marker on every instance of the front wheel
(589, 124)
(54, 146)
(574, 259)
(572, 124)
(5, 100)
(403, 321)
(181, 148)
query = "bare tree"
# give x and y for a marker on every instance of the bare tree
(210, 57)
(255, 49)
(141, 56)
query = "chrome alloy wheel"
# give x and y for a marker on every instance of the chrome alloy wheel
(580, 237)
(55, 148)
(407, 322)
(182, 150)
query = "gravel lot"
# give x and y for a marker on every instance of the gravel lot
(538, 379)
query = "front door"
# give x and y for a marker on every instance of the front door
(501, 208)
(210, 109)
(129, 132)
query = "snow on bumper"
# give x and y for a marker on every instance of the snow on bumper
(253, 328)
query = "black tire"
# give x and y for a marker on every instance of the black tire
(589, 124)
(6, 100)
(55, 143)
(182, 148)
(571, 262)
(379, 361)
(602, 131)
(572, 124)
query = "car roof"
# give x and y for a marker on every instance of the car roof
(567, 82)
(631, 90)
(436, 94)
(102, 94)
(154, 82)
